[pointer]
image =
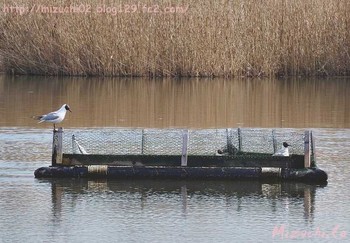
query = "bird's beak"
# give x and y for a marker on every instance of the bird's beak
(70, 110)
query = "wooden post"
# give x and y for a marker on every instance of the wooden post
(313, 151)
(57, 147)
(307, 157)
(184, 148)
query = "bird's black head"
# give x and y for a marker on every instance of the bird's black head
(67, 108)
(285, 144)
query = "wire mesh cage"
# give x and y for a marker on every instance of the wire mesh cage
(131, 141)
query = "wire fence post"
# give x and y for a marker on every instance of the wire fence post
(142, 140)
(239, 139)
(185, 137)
(274, 141)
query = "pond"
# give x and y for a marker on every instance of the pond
(76, 210)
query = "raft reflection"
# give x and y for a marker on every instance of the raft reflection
(235, 194)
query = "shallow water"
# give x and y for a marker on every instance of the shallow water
(75, 210)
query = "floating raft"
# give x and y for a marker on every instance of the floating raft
(113, 172)
(148, 155)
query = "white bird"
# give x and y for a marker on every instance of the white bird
(55, 116)
(283, 151)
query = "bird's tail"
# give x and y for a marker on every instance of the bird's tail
(38, 118)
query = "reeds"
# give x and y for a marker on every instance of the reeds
(205, 38)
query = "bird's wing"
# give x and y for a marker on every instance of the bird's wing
(49, 117)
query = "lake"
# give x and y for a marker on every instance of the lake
(77, 210)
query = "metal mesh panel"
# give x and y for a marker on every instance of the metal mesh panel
(162, 142)
(121, 141)
(206, 142)
(104, 141)
(257, 141)
(294, 137)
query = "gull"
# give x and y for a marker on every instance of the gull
(77, 148)
(283, 151)
(55, 116)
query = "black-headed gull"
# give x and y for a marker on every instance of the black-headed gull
(283, 151)
(55, 116)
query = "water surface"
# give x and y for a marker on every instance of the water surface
(195, 103)
(76, 210)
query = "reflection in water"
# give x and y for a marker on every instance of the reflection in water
(197, 103)
(234, 193)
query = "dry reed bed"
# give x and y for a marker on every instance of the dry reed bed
(212, 38)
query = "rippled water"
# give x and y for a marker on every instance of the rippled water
(77, 210)
(167, 211)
